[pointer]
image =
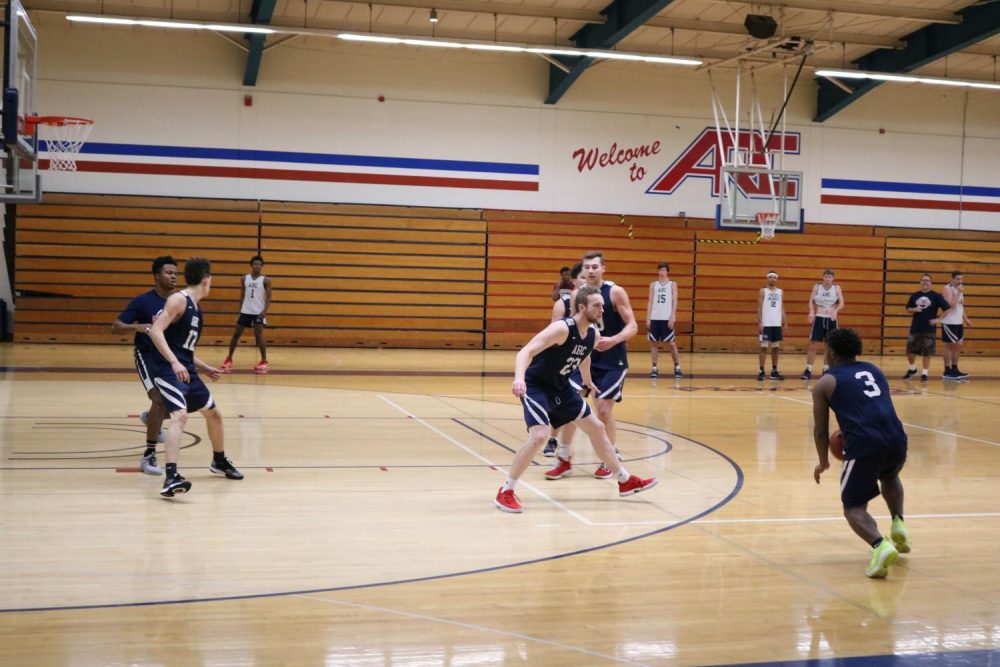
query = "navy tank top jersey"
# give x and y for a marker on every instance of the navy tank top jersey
(553, 366)
(611, 325)
(182, 335)
(864, 410)
(143, 309)
(567, 311)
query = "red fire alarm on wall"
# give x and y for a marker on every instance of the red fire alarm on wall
(248, 100)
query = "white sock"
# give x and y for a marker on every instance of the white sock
(913, 367)
(623, 474)
(563, 451)
(508, 485)
(825, 368)
(809, 367)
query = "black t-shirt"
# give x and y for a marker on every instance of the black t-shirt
(931, 302)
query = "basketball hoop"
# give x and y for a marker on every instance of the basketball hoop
(768, 221)
(64, 137)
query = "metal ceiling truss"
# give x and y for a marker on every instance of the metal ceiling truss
(622, 18)
(260, 13)
(932, 42)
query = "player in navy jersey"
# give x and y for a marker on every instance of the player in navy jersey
(138, 318)
(560, 310)
(610, 360)
(175, 334)
(541, 381)
(874, 445)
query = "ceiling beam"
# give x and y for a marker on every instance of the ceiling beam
(623, 18)
(858, 9)
(260, 12)
(723, 28)
(930, 43)
(490, 8)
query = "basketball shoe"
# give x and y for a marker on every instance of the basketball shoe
(602, 472)
(550, 447)
(900, 536)
(655, 373)
(910, 373)
(227, 366)
(760, 376)
(563, 469)
(148, 465)
(775, 375)
(677, 373)
(261, 368)
(884, 555)
(506, 501)
(807, 374)
(174, 484)
(225, 467)
(636, 485)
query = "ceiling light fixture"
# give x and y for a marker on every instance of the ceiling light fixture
(154, 23)
(906, 78)
(392, 39)
(433, 18)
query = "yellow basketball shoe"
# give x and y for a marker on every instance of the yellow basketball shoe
(900, 537)
(883, 556)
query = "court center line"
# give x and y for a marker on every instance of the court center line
(909, 425)
(479, 628)
(541, 494)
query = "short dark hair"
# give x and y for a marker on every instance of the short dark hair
(582, 295)
(955, 273)
(828, 272)
(196, 270)
(662, 265)
(926, 274)
(162, 261)
(845, 343)
(564, 269)
(574, 273)
(255, 258)
(594, 254)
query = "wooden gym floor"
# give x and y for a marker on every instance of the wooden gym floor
(364, 532)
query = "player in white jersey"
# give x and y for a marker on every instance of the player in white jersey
(952, 333)
(771, 315)
(661, 316)
(255, 299)
(825, 302)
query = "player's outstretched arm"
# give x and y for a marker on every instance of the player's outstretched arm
(821, 419)
(173, 309)
(210, 371)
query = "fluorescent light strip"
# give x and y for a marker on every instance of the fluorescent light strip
(906, 78)
(389, 39)
(155, 23)
(518, 48)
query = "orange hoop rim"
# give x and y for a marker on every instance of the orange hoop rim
(58, 121)
(767, 216)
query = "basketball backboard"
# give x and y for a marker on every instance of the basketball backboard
(746, 191)
(20, 152)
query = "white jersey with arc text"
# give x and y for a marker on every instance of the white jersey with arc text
(770, 309)
(254, 297)
(825, 298)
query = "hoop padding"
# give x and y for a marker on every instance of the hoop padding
(64, 137)
(768, 222)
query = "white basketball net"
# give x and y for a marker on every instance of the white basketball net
(768, 222)
(64, 137)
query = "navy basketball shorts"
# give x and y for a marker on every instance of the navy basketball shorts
(610, 382)
(859, 477)
(189, 396)
(770, 336)
(821, 327)
(576, 379)
(145, 364)
(246, 320)
(659, 332)
(952, 333)
(545, 406)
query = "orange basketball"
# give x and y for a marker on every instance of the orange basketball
(837, 445)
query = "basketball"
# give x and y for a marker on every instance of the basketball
(837, 445)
